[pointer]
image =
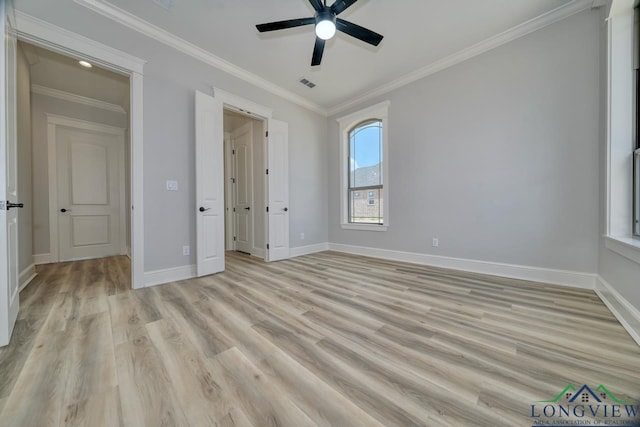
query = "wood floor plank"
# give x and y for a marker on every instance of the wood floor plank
(326, 339)
(196, 387)
(248, 387)
(99, 410)
(146, 396)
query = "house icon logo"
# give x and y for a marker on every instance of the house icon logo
(586, 405)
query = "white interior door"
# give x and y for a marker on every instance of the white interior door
(278, 190)
(242, 142)
(9, 300)
(90, 177)
(209, 185)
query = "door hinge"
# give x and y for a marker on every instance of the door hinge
(266, 134)
(234, 209)
(233, 151)
(267, 208)
(267, 171)
(267, 246)
(233, 180)
(234, 238)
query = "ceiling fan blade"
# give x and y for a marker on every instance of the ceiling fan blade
(318, 50)
(281, 25)
(359, 32)
(317, 5)
(340, 5)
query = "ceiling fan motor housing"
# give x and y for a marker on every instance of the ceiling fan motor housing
(326, 15)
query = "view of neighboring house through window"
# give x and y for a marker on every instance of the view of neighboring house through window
(365, 173)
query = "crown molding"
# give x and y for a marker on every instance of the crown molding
(493, 42)
(68, 96)
(129, 20)
(42, 33)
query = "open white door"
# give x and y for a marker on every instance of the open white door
(278, 190)
(209, 185)
(9, 301)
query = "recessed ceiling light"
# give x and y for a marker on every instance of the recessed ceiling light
(85, 64)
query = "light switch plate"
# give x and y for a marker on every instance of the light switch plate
(172, 185)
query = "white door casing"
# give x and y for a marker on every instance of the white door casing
(242, 143)
(278, 191)
(91, 187)
(209, 184)
(9, 294)
(228, 193)
(65, 42)
(277, 162)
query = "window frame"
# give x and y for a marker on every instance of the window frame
(621, 190)
(377, 112)
(635, 226)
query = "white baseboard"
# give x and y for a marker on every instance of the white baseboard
(39, 259)
(158, 277)
(26, 276)
(310, 249)
(622, 309)
(556, 277)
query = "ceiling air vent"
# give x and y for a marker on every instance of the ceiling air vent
(307, 83)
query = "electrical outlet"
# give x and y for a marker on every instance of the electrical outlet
(435, 242)
(172, 185)
(301, 236)
(185, 250)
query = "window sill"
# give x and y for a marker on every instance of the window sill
(628, 247)
(364, 227)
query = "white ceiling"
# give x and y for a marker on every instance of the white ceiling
(417, 33)
(60, 72)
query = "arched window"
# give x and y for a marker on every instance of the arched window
(366, 173)
(364, 144)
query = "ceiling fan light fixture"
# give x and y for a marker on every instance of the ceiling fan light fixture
(325, 29)
(325, 24)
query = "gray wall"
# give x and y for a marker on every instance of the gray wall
(41, 105)
(23, 89)
(170, 81)
(498, 156)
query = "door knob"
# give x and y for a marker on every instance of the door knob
(63, 210)
(14, 205)
(286, 209)
(247, 209)
(203, 209)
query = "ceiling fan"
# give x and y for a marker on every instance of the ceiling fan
(326, 22)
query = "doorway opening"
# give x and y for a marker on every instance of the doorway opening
(74, 160)
(245, 183)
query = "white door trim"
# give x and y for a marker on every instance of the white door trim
(259, 112)
(228, 193)
(53, 121)
(247, 125)
(65, 42)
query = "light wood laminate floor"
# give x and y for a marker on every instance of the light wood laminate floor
(326, 339)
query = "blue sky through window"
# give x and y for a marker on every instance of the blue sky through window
(365, 145)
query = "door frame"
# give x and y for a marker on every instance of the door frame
(41, 33)
(258, 112)
(231, 191)
(228, 193)
(55, 121)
